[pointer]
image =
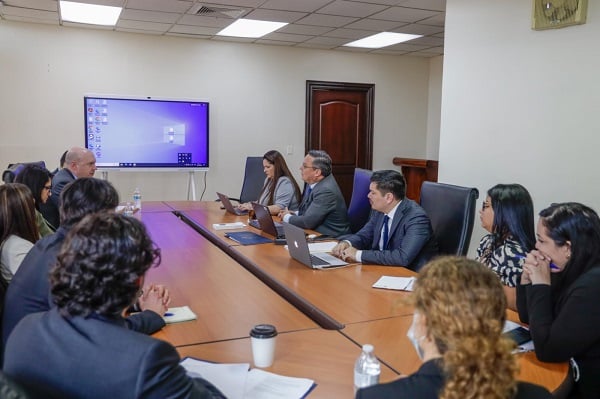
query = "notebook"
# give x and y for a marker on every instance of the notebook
(265, 221)
(229, 206)
(298, 247)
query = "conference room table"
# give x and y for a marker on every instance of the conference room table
(227, 300)
(338, 299)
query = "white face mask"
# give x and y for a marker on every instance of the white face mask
(413, 339)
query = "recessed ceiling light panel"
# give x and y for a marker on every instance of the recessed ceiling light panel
(89, 13)
(382, 39)
(251, 28)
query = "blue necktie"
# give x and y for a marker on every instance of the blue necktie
(306, 193)
(386, 232)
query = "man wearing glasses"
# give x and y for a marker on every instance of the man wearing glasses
(323, 207)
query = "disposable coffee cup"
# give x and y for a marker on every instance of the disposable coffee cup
(263, 344)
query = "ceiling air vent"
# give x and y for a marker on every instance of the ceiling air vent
(205, 10)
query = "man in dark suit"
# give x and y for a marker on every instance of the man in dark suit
(82, 348)
(79, 162)
(29, 290)
(398, 233)
(323, 207)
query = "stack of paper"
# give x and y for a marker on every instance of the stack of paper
(236, 382)
(228, 226)
(176, 315)
(395, 283)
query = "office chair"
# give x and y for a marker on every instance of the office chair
(359, 208)
(254, 178)
(451, 210)
(13, 169)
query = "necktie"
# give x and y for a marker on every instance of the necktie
(386, 232)
(304, 202)
(306, 193)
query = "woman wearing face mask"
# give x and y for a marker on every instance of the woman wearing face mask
(559, 294)
(457, 332)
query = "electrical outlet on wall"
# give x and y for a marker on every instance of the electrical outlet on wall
(290, 149)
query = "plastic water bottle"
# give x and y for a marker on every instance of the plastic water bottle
(366, 368)
(137, 199)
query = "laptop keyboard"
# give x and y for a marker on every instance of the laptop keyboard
(316, 261)
(254, 223)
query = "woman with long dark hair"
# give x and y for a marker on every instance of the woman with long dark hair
(559, 293)
(18, 230)
(39, 181)
(280, 190)
(507, 215)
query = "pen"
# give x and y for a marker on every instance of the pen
(169, 314)
(552, 265)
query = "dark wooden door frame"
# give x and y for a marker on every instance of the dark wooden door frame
(368, 88)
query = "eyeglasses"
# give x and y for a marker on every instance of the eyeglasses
(48, 188)
(485, 205)
(307, 167)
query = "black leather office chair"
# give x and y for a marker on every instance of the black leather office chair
(359, 208)
(254, 178)
(451, 210)
(13, 169)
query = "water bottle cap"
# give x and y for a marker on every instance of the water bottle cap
(367, 348)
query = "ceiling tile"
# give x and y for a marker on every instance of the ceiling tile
(438, 5)
(177, 6)
(274, 42)
(407, 47)
(28, 13)
(295, 5)
(235, 3)
(388, 52)
(351, 9)
(403, 14)
(429, 41)
(349, 33)
(305, 29)
(329, 41)
(46, 5)
(418, 29)
(143, 25)
(152, 16)
(326, 20)
(285, 37)
(111, 3)
(275, 15)
(386, 2)
(438, 20)
(204, 21)
(147, 32)
(31, 20)
(375, 25)
(196, 30)
(434, 50)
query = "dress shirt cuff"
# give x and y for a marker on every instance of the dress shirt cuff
(287, 216)
(358, 256)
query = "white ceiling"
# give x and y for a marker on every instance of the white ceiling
(324, 24)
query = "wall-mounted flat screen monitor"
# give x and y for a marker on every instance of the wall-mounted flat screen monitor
(127, 133)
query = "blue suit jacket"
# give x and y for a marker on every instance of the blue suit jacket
(324, 210)
(410, 244)
(95, 358)
(29, 290)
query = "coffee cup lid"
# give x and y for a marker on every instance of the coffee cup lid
(263, 331)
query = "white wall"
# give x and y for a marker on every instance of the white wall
(257, 96)
(520, 105)
(434, 110)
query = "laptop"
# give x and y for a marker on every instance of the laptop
(266, 222)
(229, 206)
(299, 250)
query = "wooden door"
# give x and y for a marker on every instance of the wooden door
(339, 120)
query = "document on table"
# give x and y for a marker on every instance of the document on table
(176, 315)
(395, 283)
(236, 382)
(228, 226)
(524, 347)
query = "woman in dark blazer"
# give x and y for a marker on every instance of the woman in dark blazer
(559, 293)
(82, 347)
(460, 310)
